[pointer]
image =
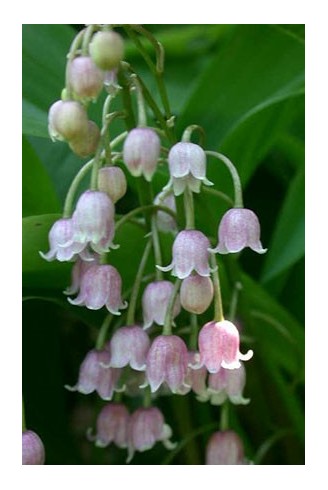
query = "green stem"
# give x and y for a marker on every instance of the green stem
(146, 397)
(103, 332)
(156, 248)
(218, 309)
(142, 117)
(86, 39)
(158, 69)
(142, 209)
(189, 209)
(73, 188)
(224, 416)
(235, 177)
(167, 328)
(190, 129)
(136, 286)
(193, 332)
(219, 194)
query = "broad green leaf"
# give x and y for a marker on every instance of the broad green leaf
(44, 58)
(258, 69)
(39, 195)
(288, 242)
(278, 335)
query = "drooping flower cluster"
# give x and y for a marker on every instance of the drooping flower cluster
(146, 353)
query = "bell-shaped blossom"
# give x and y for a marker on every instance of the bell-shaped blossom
(141, 151)
(93, 221)
(62, 245)
(187, 164)
(225, 447)
(32, 448)
(167, 361)
(219, 346)
(112, 181)
(196, 293)
(79, 268)
(100, 286)
(190, 252)
(228, 384)
(165, 222)
(195, 379)
(85, 78)
(238, 229)
(155, 301)
(147, 426)
(129, 347)
(94, 376)
(112, 426)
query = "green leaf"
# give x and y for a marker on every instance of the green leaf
(37, 272)
(288, 242)
(39, 195)
(242, 94)
(44, 58)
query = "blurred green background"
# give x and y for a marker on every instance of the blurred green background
(244, 84)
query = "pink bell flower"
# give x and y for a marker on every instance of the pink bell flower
(61, 241)
(187, 164)
(219, 346)
(79, 268)
(190, 252)
(141, 151)
(228, 384)
(166, 222)
(167, 361)
(112, 426)
(112, 181)
(155, 299)
(85, 78)
(195, 379)
(225, 448)
(32, 448)
(196, 293)
(238, 229)
(129, 347)
(93, 221)
(147, 427)
(100, 286)
(93, 376)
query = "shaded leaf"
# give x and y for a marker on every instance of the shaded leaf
(39, 195)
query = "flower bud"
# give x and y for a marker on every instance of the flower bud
(85, 145)
(225, 448)
(112, 181)
(196, 293)
(107, 49)
(67, 120)
(141, 151)
(33, 448)
(85, 77)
